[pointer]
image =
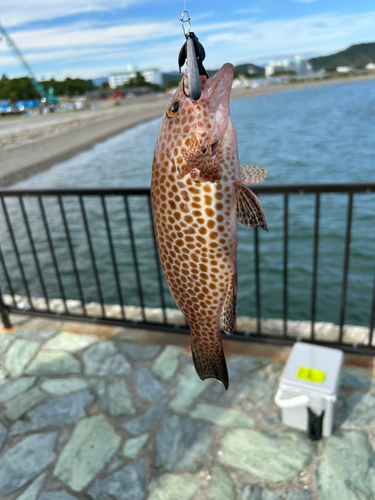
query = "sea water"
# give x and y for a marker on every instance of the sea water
(314, 135)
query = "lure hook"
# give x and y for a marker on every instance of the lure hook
(193, 52)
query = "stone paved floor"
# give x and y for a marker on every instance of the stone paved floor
(88, 413)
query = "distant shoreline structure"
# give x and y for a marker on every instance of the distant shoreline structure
(26, 159)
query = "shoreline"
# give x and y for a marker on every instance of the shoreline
(66, 136)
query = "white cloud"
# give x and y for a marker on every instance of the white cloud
(39, 10)
(305, 1)
(92, 51)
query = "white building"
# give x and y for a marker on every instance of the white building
(344, 69)
(370, 66)
(299, 65)
(150, 75)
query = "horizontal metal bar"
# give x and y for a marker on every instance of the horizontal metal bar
(248, 337)
(345, 187)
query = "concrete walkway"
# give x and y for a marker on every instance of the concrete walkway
(87, 412)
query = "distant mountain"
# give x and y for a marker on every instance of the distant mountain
(98, 81)
(356, 56)
(248, 69)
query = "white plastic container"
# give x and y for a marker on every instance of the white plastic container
(308, 388)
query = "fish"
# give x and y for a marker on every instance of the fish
(197, 193)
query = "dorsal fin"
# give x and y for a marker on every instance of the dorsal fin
(249, 211)
(229, 312)
(253, 174)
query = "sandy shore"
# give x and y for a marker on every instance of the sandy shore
(31, 145)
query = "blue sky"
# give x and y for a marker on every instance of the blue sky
(91, 38)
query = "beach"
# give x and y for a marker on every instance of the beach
(29, 145)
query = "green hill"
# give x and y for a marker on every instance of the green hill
(356, 56)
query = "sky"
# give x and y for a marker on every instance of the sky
(92, 38)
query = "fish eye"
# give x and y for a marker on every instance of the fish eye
(173, 108)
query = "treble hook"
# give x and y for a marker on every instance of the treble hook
(193, 51)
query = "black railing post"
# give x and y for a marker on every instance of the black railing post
(285, 265)
(4, 312)
(346, 265)
(372, 316)
(315, 265)
(257, 280)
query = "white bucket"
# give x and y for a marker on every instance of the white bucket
(308, 389)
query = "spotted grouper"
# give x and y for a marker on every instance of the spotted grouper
(198, 193)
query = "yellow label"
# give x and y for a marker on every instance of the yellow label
(311, 375)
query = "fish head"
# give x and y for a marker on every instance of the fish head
(190, 125)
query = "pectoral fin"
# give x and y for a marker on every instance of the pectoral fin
(253, 174)
(229, 312)
(248, 210)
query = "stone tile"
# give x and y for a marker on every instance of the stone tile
(3, 376)
(273, 418)
(260, 389)
(274, 457)
(125, 484)
(115, 464)
(115, 398)
(359, 378)
(241, 365)
(60, 411)
(347, 469)
(56, 495)
(145, 422)
(166, 364)
(51, 363)
(3, 435)
(256, 493)
(172, 487)
(182, 443)
(32, 492)
(26, 460)
(5, 341)
(71, 342)
(22, 403)
(221, 486)
(34, 334)
(103, 359)
(189, 388)
(14, 387)
(299, 495)
(222, 416)
(139, 352)
(92, 444)
(62, 386)
(19, 355)
(147, 387)
(133, 446)
(359, 410)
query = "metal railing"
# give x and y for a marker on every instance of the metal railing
(61, 248)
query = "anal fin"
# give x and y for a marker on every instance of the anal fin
(229, 313)
(253, 174)
(248, 210)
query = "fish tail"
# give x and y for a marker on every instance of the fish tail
(208, 354)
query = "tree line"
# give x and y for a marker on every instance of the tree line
(17, 89)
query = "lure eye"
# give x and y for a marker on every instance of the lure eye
(173, 108)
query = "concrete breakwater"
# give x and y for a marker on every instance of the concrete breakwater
(323, 331)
